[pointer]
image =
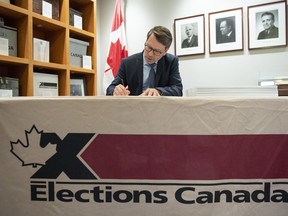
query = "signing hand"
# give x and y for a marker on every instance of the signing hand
(120, 90)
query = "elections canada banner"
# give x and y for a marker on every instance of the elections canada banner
(122, 163)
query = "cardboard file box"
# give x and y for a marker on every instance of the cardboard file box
(10, 34)
(37, 7)
(78, 48)
(75, 18)
(41, 50)
(45, 84)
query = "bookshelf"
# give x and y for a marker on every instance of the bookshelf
(19, 14)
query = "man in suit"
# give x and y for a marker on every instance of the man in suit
(270, 30)
(227, 32)
(192, 39)
(152, 72)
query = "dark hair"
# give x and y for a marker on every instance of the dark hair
(162, 34)
(268, 14)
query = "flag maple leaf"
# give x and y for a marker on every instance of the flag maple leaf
(31, 153)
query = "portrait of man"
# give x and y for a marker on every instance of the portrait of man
(225, 28)
(191, 39)
(268, 24)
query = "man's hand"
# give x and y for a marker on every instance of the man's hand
(150, 92)
(120, 90)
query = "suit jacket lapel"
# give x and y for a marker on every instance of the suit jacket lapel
(139, 71)
(159, 70)
(192, 40)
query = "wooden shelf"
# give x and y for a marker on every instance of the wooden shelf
(80, 70)
(12, 11)
(31, 25)
(49, 65)
(47, 24)
(13, 60)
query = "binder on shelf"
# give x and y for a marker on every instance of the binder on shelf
(45, 84)
(9, 83)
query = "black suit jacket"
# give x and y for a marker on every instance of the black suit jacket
(273, 33)
(193, 42)
(130, 73)
(226, 38)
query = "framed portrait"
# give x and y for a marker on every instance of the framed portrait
(267, 25)
(77, 87)
(189, 35)
(226, 30)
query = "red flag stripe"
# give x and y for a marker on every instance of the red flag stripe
(117, 46)
(118, 17)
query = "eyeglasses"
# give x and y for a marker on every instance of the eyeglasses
(148, 48)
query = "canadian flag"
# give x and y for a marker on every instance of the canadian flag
(118, 47)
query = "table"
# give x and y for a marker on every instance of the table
(144, 156)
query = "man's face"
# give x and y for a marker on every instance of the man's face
(188, 30)
(267, 21)
(224, 29)
(153, 50)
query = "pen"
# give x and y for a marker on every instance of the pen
(122, 81)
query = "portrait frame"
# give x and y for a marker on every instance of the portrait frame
(256, 37)
(233, 41)
(197, 44)
(77, 87)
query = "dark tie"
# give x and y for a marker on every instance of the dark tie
(151, 77)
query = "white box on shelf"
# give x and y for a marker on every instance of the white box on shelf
(41, 50)
(78, 48)
(45, 84)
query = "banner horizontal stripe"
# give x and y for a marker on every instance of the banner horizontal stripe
(188, 157)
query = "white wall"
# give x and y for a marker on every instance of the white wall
(242, 68)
